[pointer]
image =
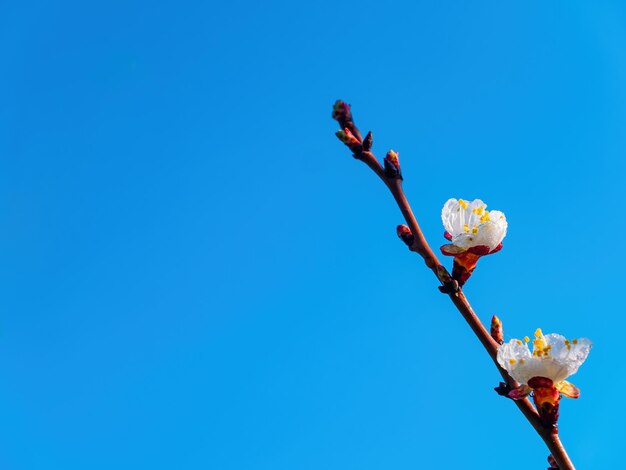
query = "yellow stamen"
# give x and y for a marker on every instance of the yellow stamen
(526, 339)
(540, 347)
(512, 361)
(519, 342)
(466, 228)
(463, 204)
(475, 229)
(574, 341)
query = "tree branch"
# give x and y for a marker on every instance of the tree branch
(351, 137)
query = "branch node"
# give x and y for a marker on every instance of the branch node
(451, 287)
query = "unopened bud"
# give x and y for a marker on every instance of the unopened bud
(348, 138)
(552, 462)
(405, 234)
(342, 113)
(449, 285)
(496, 330)
(368, 142)
(502, 389)
(392, 165)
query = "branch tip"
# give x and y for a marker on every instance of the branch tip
(342, 113)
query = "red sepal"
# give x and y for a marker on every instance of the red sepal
(480, 250)
(464, 264)
(520, 392)
(546, 398)
(496, 249)
(540, 382)
(452, 250)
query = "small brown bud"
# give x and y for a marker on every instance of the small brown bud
(405, 234)
(449, 285)
(503, 389)
(368, 142)
(552, 462)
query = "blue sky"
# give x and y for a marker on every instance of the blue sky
(197, 275)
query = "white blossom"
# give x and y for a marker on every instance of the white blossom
(469, 224)
(553, 357)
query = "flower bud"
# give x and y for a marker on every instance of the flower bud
(368, 141)
(392, 165)
(496, 330)
(449, 285)
(552, 462)
(503, 389)
(405, 234)
(342, 113)
(348, 138)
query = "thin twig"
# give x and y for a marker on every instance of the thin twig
(361, 149)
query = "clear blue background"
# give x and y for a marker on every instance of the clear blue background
(196, 274)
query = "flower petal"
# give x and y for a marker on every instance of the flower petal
(452, 216)
(570, 354)
(568, 389)
(514, 357)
